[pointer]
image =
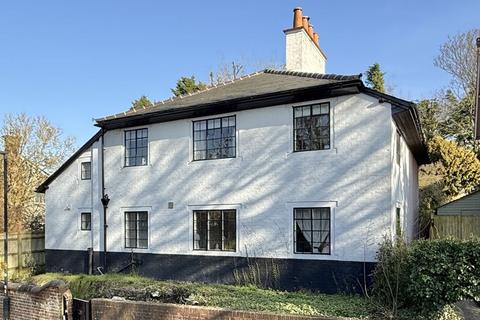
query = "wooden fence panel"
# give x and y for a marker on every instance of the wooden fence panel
(458, 227)
(24, 250)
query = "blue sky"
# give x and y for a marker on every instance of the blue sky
(77, 60)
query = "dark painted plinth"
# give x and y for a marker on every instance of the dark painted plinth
(324, 276)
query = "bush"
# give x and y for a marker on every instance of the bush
(428, 275)
(442, 272)
(391, 276)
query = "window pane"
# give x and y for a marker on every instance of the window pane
(214, 234)
(136, 229)
(200, 135)
(312, 230)
(216, 138)
(200, 125)
(312, 129)
(325, 108)
(200, 230)
(136, 147)
(86, 170)
(86, 221)
(214, 230)
(229, 233)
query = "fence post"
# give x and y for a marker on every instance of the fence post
(19, 252)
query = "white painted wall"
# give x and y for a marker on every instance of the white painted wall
(404, 188)
(66, 198)
(264, 183)
(302, 54)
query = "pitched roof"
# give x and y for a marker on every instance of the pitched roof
(261, 89)
(264, 82)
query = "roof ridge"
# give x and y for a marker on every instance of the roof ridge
(208, 88)
(313, 75)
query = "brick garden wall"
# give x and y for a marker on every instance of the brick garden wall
(105, 309)
(29, 302)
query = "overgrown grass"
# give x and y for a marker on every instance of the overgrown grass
(247, 298)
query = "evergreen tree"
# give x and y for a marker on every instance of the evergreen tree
(458, 121)
(186, 85)
(375, 78)
(429, 111)
(141, 103)
(458, 166)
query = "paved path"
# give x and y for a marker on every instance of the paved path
(470, 310)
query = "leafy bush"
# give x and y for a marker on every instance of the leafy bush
(442, 272)
(428, 275)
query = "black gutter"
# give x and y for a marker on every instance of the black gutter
(232, 105)
(245, 103)
(105, 200)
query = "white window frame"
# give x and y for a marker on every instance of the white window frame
(234, 206)
(238, 156)
(290, 206)
(149, 233)
(291, 149)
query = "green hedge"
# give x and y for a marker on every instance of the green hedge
(428, 274)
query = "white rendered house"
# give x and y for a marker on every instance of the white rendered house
(298, 167)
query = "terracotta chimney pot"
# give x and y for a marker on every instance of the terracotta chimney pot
(297, 17)
(310, 31)
(305, 23)
(315, 38)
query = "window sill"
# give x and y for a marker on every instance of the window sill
(136, 167)
(212, 161)
(215, 253)
(311, 153)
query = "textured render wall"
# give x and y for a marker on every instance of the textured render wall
(65, 199)
(302, 54)
(263, 183)
(404, 189)
(412, 197)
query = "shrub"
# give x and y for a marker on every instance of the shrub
(427, 275)
(442, 272)
(390, 277)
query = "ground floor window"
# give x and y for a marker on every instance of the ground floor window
(136, 229)
(214, 230)
(312, 230)
(86, 221)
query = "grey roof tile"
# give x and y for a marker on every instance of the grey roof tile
(263, 82)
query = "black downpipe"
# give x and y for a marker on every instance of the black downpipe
(105, 200)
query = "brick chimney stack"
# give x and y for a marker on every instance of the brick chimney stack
(303, 52)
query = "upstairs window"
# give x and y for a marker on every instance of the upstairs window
(86, 170)
(312, 127)
(312, 230)
(214, 138)
(136, 147)
(86, 221)
(214, 230)
(136, 229)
